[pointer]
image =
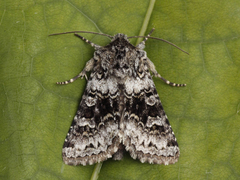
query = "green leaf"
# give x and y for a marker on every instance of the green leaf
(36, 113)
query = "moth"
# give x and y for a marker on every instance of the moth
(120, 108)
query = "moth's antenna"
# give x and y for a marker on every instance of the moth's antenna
(81, 32)
(146, 37)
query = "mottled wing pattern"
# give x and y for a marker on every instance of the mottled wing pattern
(120, 109)
(93, 135)
(148, 135)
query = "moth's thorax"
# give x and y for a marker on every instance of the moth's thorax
(119, 58)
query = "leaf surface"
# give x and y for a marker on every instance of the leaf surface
(36, 113)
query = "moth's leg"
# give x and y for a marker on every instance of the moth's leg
(155, 73)
(88, 67)
(141, 45)
(87, 41)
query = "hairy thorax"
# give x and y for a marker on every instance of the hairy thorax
(119, 59)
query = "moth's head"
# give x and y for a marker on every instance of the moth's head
(120, 46)
(120, 38)
(120, 42)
